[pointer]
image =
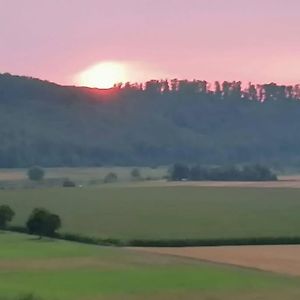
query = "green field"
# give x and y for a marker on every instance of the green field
(165, 212)
(59, 270)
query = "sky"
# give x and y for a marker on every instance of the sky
(257, 40)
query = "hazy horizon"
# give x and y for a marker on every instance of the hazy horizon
(211, 40)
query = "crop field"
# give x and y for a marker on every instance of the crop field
(283, 259)
(59, 270)
(165, 212)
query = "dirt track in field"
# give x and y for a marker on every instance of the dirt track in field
(278, 259)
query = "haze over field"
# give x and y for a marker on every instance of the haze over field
(213, 40)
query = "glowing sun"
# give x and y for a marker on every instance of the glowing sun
(106, 74)
(103, 75)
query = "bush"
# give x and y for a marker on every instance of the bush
(43, 223)
(110, 178)
(6, 215)
(36, 173)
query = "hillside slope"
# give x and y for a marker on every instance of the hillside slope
(51, 125)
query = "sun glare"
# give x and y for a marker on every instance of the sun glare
(106, 74)
(103, 75)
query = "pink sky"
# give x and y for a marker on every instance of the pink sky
(257, 40)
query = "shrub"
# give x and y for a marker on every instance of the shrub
(36, 173)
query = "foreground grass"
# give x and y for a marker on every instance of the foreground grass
(59, 270)
(165, 212)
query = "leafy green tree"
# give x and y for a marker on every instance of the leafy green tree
(43, 223)
(6, 215)
(36, 173)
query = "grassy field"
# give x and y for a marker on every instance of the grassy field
(58, 270)
(165, 212)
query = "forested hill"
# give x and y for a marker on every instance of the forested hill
(159, 122)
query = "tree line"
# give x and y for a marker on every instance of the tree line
(222, 90)
(255, 172)
(156, 123)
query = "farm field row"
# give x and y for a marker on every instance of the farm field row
(279, 259)
(59, 270)
(177, 212)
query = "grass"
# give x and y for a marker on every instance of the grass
(59, 270)
(165, 212)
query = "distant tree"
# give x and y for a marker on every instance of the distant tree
(236, 89)
(203, 86)
(218, 90)
(252, 92)
(43, 223)
(174, 85)
(180, 172)
(136, 174)
(226, 89)
(110, 178)
(165, 86)
(6, 215)
(153, 86)
(36, 173)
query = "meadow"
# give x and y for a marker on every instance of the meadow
(60, 270)
(165, 212)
